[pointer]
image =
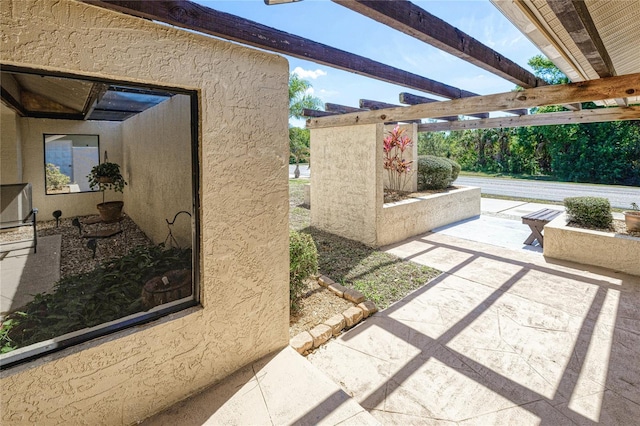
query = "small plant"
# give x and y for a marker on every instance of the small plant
(56, 180)
(303, 262)
(434, 172)
(397, 167)
(591, 212)
(106, 176)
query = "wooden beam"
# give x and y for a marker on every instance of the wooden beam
(12, 102)
(576, 19)
(583, 91)
(412, 20)
(341, 109)
(546, 119)
(97, 92)
(317, 113)
(376, 105)
(411, 99)
(186, 14)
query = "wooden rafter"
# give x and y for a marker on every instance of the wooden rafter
(186, 14)
(411, 99)
(376, 105)
(341, 109)
(552, 118)
(576, 19)
(583, 91)
(407, 17)
(97, 92)
(306, 112)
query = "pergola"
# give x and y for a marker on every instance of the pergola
(588, 40)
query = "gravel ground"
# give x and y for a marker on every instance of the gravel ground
(75, 256)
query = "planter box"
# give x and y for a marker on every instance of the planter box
(407, 218)
(605, 249)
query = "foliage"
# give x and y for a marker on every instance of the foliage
(398, 168)
(455, 169)
(591, 212)
(303, 262)
(111, 291)
(55, 178)
(545, 69)
(299, 144)
(106, 170)
(433, 172)
(299, 98)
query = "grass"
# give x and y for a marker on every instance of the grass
(381, 277)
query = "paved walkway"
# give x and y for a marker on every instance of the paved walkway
(502, 337)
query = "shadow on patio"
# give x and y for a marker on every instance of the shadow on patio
(501, 337)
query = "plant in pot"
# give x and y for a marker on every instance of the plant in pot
(106, 176)
(632, 218)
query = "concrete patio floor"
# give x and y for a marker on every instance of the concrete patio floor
(502, 337)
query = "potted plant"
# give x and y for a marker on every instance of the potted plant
(107, 176)
(632, 218)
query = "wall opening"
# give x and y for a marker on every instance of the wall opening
(115, 273)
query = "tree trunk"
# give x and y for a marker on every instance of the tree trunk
(296, 173)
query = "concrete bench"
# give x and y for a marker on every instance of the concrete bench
(16, 210)
(536, 221)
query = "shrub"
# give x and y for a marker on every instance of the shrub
(591, 212)
(433, 172)
(303, 261)
(55, 178)
(455, 169)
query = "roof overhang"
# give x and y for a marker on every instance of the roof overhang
(586, 39)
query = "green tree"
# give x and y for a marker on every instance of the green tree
(545, 69)
(299, 99)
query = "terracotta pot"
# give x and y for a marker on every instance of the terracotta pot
(105, 179)
(632, 220)
(176, 285)
(110, 211)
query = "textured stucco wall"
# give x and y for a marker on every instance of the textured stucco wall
(10, 149)
(407, 218)
(411, 154)
(606, 249)
(157, 166)
(83, 203)
(245, 252)
(346, 179)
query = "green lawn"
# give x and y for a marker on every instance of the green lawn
(381, 277)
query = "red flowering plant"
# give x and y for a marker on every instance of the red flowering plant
(398, 168)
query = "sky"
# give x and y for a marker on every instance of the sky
(329, 23)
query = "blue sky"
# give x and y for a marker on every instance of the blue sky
(337, 26)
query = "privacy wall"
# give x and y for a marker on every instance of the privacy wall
(243, 103)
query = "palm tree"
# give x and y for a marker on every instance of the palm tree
(299, 99)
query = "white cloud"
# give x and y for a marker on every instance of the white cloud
(302, 73)
(310, 91)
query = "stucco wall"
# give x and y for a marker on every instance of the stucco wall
(347, 180)
(78, 204)
(10, 150)
(157, 167)
(244, 266)
(605, 249)
(407, 218)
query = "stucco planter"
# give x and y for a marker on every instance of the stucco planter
(589, 247)
(414, 216)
